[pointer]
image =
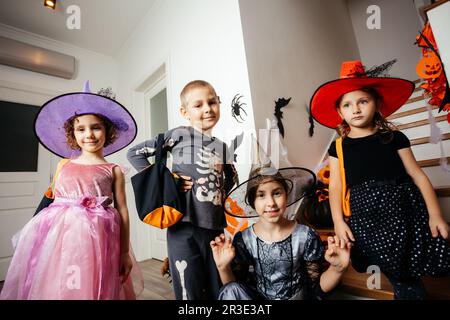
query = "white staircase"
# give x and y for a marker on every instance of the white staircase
(412, 120)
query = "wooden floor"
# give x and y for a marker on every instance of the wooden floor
(155, 286)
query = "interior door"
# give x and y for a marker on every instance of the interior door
(156, 121)
(26, 166)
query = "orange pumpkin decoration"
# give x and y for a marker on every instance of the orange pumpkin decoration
(324, 175)
(322, 194)
(429, 67)
(234, 225)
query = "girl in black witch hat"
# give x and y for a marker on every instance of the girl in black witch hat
(275, 258)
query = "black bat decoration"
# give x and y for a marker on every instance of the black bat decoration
(311, 122)
(280, 103)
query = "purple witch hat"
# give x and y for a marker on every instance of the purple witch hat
(49, 122)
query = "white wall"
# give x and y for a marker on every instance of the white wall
(292, 47)
(196, 39)
(400, 24)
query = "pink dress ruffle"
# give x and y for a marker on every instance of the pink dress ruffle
(71, 249)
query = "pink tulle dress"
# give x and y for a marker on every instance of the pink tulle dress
(71, 249)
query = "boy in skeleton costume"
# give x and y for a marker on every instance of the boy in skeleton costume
(206, 173)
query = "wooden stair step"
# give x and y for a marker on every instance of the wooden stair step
(417, 89)
(410, 112)
(324, 234)
(415, 99)
(355, 283)
(418, 141)
(442, 192)
(418, 81)
(420, 123)
(431, 162)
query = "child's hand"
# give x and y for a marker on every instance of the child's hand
(336, 255)
(185, 183)
(344, 233)
(125, 266)
(223, 251)
(438, 226)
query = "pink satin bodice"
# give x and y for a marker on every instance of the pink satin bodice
(79, 180)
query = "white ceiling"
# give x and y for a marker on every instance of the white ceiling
(105, 24)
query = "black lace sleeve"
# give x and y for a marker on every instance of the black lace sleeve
(314, 265)
(242, 261)
(314, 270)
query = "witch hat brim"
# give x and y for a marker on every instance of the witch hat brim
(49, 122)
(393, 91)
(299, 181)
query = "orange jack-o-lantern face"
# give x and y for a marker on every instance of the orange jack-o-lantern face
(429, 67)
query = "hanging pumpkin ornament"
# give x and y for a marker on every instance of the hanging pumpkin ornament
(429, 67)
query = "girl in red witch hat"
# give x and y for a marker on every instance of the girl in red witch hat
(395, 221)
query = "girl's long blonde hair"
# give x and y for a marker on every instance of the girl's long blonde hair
(380, 122)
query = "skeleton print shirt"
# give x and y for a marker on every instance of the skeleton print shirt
(207, 161)
(282, 270)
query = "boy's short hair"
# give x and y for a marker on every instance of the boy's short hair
(194, 84)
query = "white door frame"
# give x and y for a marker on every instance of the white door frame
(20, 192)
(151, 241)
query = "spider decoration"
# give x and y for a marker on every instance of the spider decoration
(236, 108)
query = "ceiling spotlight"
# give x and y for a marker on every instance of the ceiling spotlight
(50, 4)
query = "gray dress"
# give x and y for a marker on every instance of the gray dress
(282, 270)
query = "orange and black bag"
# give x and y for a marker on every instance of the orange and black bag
(156, 192)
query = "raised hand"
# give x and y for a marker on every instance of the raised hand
(223, 251)
(338, 253)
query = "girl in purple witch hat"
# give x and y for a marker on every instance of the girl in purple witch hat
(78, 247)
